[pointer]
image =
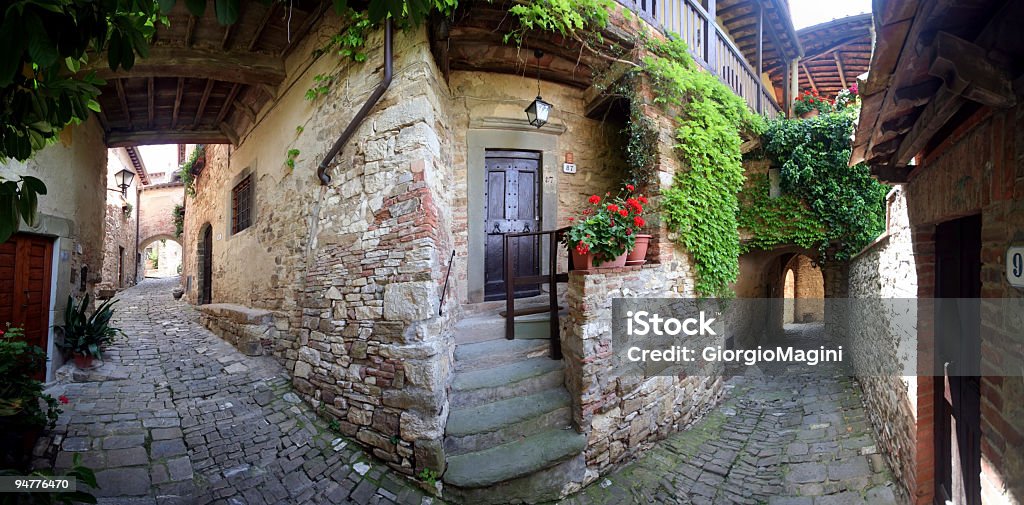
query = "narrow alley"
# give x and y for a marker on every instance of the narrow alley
(178, 416)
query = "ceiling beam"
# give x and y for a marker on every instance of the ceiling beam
(246, 68)
(262, 26)
(202, 103)
(305, 27)
(124, 102)
(225, 41)
(839, 65)
(246, 110)
(227, 103)
(966, 70)
(229, 132)
(151, 98)
(190, 30)
(149, 137)
(809, 78)
(177, 102)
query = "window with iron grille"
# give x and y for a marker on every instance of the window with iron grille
(241, 205)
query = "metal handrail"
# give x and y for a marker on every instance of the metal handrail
(551, 279)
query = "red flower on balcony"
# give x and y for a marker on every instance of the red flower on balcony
(594, 199)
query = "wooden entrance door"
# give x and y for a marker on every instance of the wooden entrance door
(25, 274)
(206, 268)
(512, 205)
(958, 352)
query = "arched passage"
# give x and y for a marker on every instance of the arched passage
(161, 256)
(803, 291)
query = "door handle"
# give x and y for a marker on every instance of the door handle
(497, 228)
(526, 228)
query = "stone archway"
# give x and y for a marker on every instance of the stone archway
(161, 256)
(803, 290)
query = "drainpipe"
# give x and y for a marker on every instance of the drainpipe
(321, 171)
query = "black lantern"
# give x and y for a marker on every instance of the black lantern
(124, 179)
(538, 111)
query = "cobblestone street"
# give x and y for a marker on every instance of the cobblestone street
(185, 418)
(793, 440)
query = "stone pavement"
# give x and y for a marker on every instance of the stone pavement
(192, 420)
(783, 440)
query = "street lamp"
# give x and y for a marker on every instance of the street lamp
(124, 179)
(538, 111)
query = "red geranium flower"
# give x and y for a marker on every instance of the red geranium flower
(643, 199)
(613, 208)
(594, 199)
(638, 221)
(623, 212)
(630, 187)
(629, 231)
(63, 399)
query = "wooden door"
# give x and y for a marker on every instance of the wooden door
(958, 353)
(25, 274)
(512, 205)
(206, 269)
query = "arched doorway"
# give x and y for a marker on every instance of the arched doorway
(205, 257)
(161, 257)
(803, 291)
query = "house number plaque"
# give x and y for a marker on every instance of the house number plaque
(1015, 265)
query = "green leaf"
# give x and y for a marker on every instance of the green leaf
(41, 48)
(227, 11)
(166, 5)
(340, 6)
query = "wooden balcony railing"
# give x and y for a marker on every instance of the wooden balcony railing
(710, 47)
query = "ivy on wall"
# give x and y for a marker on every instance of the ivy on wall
(845, 201)
(784, 219)
(701, 205)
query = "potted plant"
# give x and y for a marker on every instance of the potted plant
(25, 411)
(606, 230)
(810, 104)
(847, 98)
(85, 335)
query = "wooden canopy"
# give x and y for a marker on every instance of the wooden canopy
(935, 63)
(835, 53)
(203, 82)
(779, 40)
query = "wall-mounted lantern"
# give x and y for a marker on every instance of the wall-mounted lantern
(539, 110)
(124, 179)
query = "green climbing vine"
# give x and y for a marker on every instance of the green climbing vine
(187, 177)
(773, 221)
(701, 205)
(178, 215)
(844, 206)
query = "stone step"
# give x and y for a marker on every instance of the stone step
(515, 459)
(492, 327)
(476, 387)
(491, 424)
(492, 353)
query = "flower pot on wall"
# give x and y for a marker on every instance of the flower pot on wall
(809, 114)
(587, 261)
(638, 256)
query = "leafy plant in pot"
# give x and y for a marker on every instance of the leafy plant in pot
(85, 335)
(24, 409)
(606, 230)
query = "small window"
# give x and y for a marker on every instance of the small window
(241, 205)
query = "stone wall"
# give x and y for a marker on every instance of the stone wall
(977, 168)
(72, 211)
(255, 332)
(353, 267)
(808, 290)
(622, 415)
(156, 204)
(119, 229)
(880, 277)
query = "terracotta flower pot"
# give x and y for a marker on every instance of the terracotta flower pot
(587, 261)
(83, 361)
(638, 256)
(809, 114)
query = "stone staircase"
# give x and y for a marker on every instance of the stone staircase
(509, 436)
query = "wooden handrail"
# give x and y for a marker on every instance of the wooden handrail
(552, 278)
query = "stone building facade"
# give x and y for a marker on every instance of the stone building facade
(120, 227)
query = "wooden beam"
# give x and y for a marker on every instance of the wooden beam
(124, 102)
(305, 27)
(889, 173)
(246, 68)
(262, 26)
(151, 98)
(177, 102)
(202, 102)
(190, 30)
(149, 137)
(271, 91)
(809, 78)
(966, 70)
(839, 65)
(227, 103)
(230, 133)
(246, 110)
(225, 41)
(932, 118)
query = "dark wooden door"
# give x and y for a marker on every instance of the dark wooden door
(25, 274)
(206, 270)
(512, 205)
(958, 353)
